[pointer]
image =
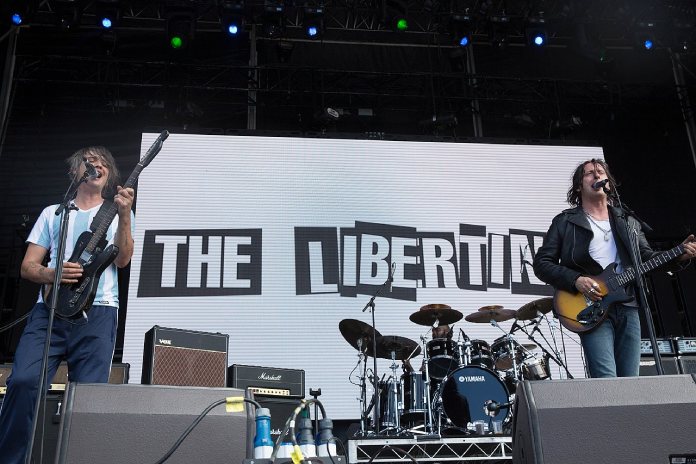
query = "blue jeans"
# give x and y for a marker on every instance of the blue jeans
(88, 347)
(613, 348)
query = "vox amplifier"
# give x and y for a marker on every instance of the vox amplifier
(268, 381)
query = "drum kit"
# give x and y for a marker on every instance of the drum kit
(463, 386)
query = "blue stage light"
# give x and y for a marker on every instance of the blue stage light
(312, 31)
(538, 40)
(16, 19)
(233, 29)
(648, 44)
(106, 23)
(464, 41)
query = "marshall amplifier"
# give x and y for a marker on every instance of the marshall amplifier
(268, 381)
(686, 345)
(184, 358)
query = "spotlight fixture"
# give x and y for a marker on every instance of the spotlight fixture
(180, 27)
(535, 30)
(20, 11)
(395, 15)
(68, 13)
(108, 13)
(645, 36)
(313, 21)
(498, 30)
(460, 28)
(232, 18)
(273, 18)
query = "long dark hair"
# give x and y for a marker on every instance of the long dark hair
(573, 197)
(77, 158)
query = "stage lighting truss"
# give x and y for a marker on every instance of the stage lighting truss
(232, 17)
(108, 13)
(536, 31)
(313, 21)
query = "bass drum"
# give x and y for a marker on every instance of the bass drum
(467, 392)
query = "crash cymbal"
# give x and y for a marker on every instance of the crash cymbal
(435, 312)
(531, 309)
(490, 307)
(434, 307)
(498, 315)
(528, 346)
(403, 348)
(354, 330)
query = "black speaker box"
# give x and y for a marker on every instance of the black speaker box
(619, 420)
(687, 364)
(115, 424)
(670, 365)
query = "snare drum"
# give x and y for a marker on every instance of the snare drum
(443, 359)
(481, 354)
(534, 369)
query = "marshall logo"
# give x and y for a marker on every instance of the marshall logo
(273, 378)
(164, 342)
(472, 378)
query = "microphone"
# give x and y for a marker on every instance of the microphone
(91, 171)
(600, 183)
(494, 406)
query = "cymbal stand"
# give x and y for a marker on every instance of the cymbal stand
(464, 348)
(362, 360)
(398, 405)
(428, 402)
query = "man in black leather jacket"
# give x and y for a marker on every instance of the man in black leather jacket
(580, 243)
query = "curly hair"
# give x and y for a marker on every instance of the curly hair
(106, 158)
(573, 197)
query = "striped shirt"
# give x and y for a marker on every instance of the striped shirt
(45, 233)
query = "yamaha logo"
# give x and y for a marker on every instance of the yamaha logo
(472, 378)
(273, 378)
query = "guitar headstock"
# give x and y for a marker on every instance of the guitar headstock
(154, 148)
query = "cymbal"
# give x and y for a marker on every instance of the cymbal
(530, 310)
(488, 315)
(354, 330)
(528, 346)
(402, 347)
(435, 312)
(490, 307)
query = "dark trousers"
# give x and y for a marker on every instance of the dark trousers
(87, 346)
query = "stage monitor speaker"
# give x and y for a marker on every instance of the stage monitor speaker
(687, 364)
(115, 424)
(619, 420)
(670, 365)
(184, 358)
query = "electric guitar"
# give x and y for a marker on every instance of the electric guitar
(580, 314)
(91, 250)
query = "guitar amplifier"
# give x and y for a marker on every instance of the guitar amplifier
(686, 345)
(269, 381)
(184, 358)
(665, 347)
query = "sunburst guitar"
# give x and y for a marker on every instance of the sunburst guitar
(580, 314)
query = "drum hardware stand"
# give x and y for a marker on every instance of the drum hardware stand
(511, 344)
(464, 349)
(553, 356)
(362, 360)
(428, 403)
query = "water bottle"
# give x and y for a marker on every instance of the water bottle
(325, 443)
(305, 438)
(263, 445)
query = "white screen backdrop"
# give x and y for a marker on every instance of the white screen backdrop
(218, 249)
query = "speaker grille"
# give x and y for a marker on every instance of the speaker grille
(188, 367)
(669, 366)
(688, 364)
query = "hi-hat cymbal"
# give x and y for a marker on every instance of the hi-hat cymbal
(354, 330)
(490, 307)
(435, 312)
(402, 347)
(488, 315)
(532, 309)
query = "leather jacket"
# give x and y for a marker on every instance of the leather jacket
(565, 255)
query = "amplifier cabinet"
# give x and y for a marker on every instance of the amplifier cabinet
(184, 358)
(268, 381)
(118, 375)
(670, 365)
(687, 364)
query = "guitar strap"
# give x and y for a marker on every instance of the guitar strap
(104, 210)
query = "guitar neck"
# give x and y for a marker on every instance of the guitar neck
(104, 221)
(663, 258)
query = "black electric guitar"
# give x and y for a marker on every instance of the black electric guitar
(91, 250)
(580, 314)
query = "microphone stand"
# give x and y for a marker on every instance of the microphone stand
(64, 211)
(371, 304)
(555, 356)
(633, 235)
